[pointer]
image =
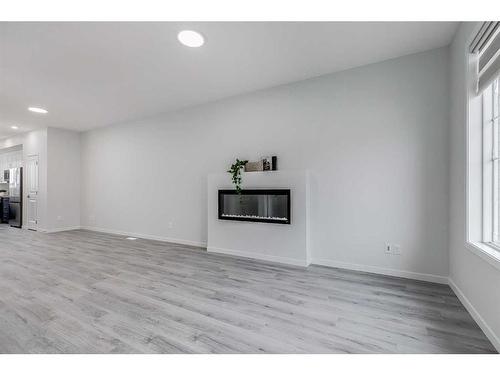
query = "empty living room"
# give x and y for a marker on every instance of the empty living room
(245, 183)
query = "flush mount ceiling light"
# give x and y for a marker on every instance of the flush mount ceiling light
(191, 38)
(37, 110)
(14, 127)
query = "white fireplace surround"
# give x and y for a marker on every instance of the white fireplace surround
(289, 244)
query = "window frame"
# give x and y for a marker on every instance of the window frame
(491, 160)
(476, 222)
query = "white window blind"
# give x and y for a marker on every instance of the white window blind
(486, 45)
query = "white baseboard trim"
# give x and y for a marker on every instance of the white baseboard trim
(58, 229)
(381, 270)
(265, 257)
(495, 340)
(146, 236)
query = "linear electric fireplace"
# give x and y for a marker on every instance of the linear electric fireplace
(265, 206)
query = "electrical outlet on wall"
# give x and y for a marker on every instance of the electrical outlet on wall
(388, 248)
(392, 249)
(170, 224)
(59, 218)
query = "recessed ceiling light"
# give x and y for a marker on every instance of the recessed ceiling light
(131, 238)
(37, 110)
(191, 38)
(14, 127)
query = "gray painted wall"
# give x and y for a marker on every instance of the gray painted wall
(63, 177)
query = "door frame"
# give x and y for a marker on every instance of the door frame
(29, 194)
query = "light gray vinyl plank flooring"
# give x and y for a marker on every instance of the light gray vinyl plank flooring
(88, 292)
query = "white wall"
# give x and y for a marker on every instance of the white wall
(474, 280)
(373, 138)
(63, 171)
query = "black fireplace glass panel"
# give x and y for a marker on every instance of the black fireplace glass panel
(270, 206)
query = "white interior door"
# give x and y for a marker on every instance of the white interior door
(32, 190)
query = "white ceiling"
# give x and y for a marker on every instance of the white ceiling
(94, 74)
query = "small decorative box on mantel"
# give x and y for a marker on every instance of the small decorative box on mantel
(254, 166)
(265, 164)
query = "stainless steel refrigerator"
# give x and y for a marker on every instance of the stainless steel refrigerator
(16, 197)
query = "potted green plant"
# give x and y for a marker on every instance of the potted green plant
(235, 172)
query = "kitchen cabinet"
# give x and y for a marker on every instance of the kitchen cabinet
(4, 210)
(11, 159)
